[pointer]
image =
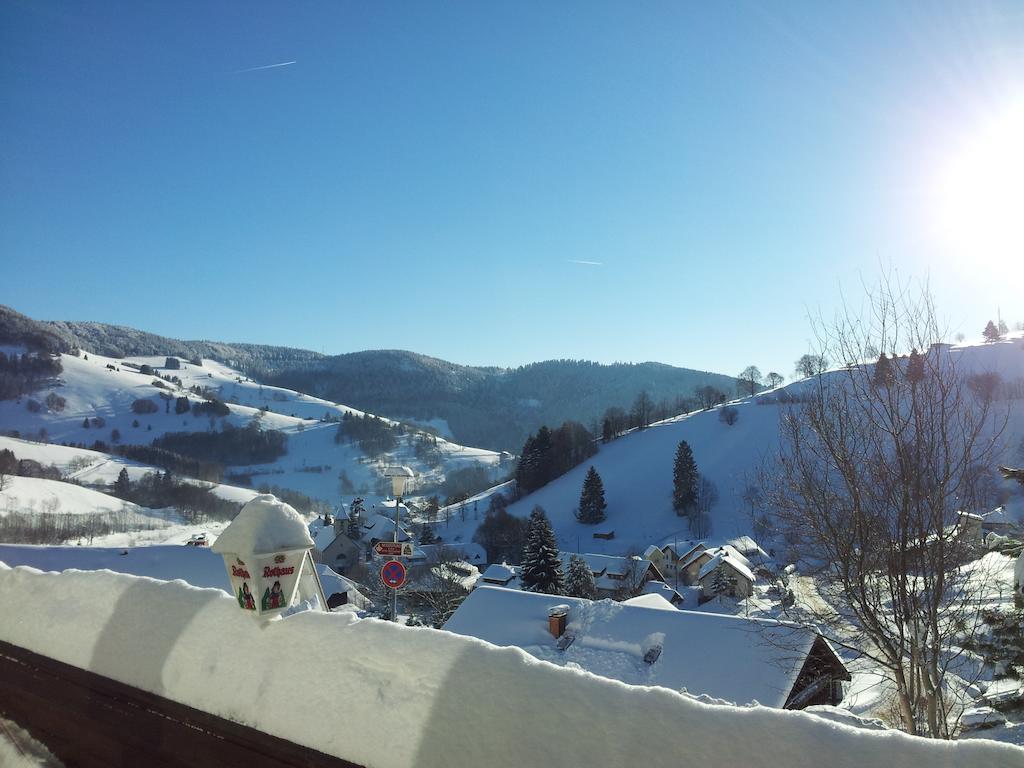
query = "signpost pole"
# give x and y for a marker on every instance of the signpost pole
(394, 592)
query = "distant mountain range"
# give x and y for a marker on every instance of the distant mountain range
(490, 407)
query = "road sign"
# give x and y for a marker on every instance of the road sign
(393, 574)
(393, 548)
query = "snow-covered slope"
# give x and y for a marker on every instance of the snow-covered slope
(637, 469)
(452, 701)
(31, 494)
(97, 387)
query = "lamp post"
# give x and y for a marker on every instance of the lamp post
(400, 477)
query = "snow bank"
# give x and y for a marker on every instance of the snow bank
(263, 526)
(414, 696)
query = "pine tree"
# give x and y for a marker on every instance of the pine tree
(607, 433)
(579, 580)
(542, 567)
(122, 485)
(883, 371)
(915, 367)
(722, 582)
(684, 480)
(427, 534)
(991, 333)
(355, 512)
(1001, 327)
(85, 423)
(592, 504)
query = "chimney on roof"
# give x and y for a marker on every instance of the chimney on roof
(557, 616)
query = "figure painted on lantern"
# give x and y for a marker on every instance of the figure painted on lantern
(245, 598)
(273, 597)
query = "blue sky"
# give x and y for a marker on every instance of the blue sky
(429, 176)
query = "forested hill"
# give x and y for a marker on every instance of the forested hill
(493, 407)
(122, 341)
(489, 407)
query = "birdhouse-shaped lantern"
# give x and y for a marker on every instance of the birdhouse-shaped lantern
(266, 551)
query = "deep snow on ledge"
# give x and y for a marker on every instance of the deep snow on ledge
(401, 696)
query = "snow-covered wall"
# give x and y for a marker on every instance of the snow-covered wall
(392, 696)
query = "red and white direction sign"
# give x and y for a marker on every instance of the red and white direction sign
(393, 574)
(393, 548)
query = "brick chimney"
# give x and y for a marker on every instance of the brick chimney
(557, 616)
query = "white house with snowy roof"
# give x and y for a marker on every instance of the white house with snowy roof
(725, 575)
(691, 567)
(646, 642)
(332, 545)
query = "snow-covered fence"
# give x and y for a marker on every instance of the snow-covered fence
(388, 696)
(92, 721)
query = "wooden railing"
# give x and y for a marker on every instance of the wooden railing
(92, 721)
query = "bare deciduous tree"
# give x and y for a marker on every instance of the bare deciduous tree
(866, 490)
(774, 379)
(811, 365)
(749, 380)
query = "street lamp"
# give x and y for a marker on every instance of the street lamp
(400, 478)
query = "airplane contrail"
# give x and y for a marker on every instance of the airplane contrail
(586, 263)
(265, 66)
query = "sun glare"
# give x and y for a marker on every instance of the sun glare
(980, 211)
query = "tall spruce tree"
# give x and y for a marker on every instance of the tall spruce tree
(542, 567)
(991, 333)
(592, 503)
(883, 371)
(684, 480)
(122, 485)
(579, 579)
(915, 367)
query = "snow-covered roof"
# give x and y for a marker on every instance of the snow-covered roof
(500, 572)
(693, 555)
(747, 547)
(688, 549)
(382, 527)
(664, 590)
(725, 558)
(729, 657)
(999, 516)
(652, 550)
(333, 582)
(469, 552)
(650, 600)
(323, 535)
(263, 526)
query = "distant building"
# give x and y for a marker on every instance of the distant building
(615, 577)
(331, 544)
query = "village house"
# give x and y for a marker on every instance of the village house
(646, 641)
(999, 521)
(615, 577)
(690, 568)
(331, 544)
(724, 575)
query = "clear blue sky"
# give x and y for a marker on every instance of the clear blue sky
(428, 176)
